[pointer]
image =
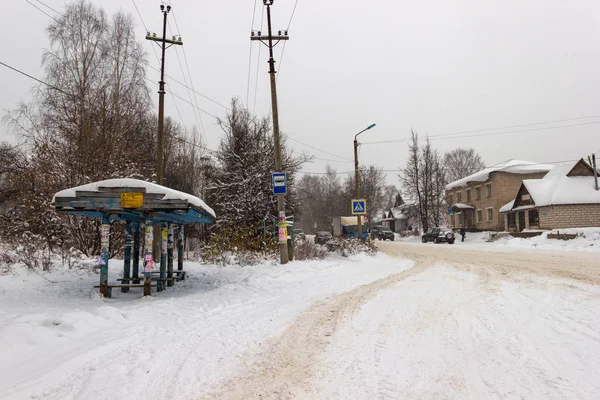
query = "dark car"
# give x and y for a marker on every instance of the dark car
(322, 237)
(382, 233)
(299, 234)
(438, 235)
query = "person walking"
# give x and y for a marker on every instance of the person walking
(462, 233)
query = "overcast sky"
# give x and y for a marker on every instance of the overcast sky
(436, 66)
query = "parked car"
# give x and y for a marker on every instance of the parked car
(382, 233)
(299, 234)
(438, 235)
(323, 237)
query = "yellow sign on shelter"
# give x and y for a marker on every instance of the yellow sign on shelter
(132, 200)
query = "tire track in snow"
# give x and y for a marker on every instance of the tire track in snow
(284, 370)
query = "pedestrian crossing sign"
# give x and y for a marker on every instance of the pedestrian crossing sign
(359, 207)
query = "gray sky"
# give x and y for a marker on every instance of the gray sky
(438, 67)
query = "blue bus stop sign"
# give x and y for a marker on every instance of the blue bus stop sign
(279, 183)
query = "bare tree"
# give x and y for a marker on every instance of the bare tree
(461, 162)
(423, 180)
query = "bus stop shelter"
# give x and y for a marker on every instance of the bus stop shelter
(141, 205)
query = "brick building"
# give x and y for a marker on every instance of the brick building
(565, 198)
(474, 202)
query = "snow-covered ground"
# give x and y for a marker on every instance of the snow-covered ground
(468, 334)
(588, 240)
(464, 321)
(61, 341)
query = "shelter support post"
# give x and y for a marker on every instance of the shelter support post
(170, 281)
(104, 245)
(127, 257)
(148, 259)
(180, 248)
(164, 234)
(136, 253)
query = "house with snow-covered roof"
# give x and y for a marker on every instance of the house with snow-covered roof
(565, 198)
(399, 218)
(474, 201)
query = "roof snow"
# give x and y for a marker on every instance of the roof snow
(558, 188)
(169, 194)
(511, 166)
(507, 207)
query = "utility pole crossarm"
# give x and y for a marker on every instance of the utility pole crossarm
(266, 38)
(175, 40)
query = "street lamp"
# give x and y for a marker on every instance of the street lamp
(356, 180)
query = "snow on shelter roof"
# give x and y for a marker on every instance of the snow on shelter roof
(511, 166)
(169, 194)
(557, 188)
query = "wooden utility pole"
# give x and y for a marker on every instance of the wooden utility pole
(160, 141)
(357, 178)
(268, 41)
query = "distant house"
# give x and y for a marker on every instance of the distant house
(564, 198)
(474, 202)
(399, 218)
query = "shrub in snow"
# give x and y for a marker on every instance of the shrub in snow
(7, 260)
(238, 245)
(308, 250)
(351, 246)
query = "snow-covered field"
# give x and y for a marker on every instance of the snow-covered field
(61, 341)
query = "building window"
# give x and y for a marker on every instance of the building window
(479, 216)
(458, 197)
(461, 219)
(468, 194)
(452, 220)
(534, 217)
(489, 189)
(478, 193)
(525, 197)
(490, 214)
(450, 199)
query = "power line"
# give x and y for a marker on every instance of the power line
(47, 6)
(316, 148)
(400, 170)
(499, 133)
(188, 68)
(250, 56)
(262, 19)
(42, 11)
(193, 105)
(35, 79)
(167, 75)
(284, 43)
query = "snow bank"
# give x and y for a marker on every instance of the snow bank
(176, 344)
(150, 187)
(588, 241)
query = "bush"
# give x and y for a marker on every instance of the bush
(33, 252)
(238, 246)
(350, 246)
(7, 260)
(308, 250)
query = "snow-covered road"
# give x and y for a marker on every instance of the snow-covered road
(510, 327)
